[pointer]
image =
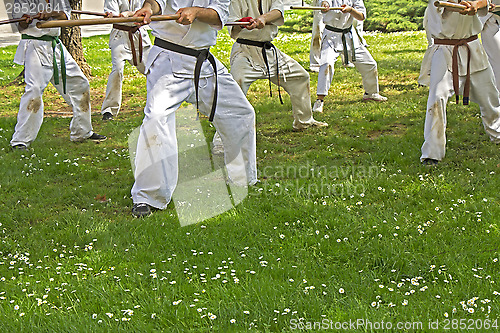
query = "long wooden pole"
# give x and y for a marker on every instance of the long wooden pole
(446, 4)
(112, 20)
(13, 20)
(314, 8)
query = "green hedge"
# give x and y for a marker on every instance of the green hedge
(382, 15)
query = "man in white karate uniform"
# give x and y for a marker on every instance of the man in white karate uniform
(179, 68)
(339, 36)
(127, 42)
(490, 37)
(446, 74)
(45, 60)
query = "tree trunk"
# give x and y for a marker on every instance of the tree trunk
(72, 39)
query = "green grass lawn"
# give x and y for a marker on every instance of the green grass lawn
(345, 225)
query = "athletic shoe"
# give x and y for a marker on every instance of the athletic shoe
(97, 137)
(140, 210)
(20, 146)
(314, 123)
(349, 65)
(107, 116)
(374, 97)
(429, 161)
(318, 106)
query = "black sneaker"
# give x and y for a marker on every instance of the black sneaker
(107, 116)
(141, 210)
(20, 146)
(97, 137)
(430, 161)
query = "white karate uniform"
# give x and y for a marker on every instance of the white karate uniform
(37, 58)
(170, 82)
(436, 72)
(331, 48)
(121, 52)
(317, 33)
(248, 65)
(490, 37)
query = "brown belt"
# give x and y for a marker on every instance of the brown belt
(454, 65)
(131, 31)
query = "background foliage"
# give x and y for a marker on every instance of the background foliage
(382, 15)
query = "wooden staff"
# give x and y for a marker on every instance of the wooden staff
(13, 20)
(112, 20)
(314, 8)
(84, 12)
(451, 5)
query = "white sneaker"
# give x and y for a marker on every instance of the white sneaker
(313, 123)
(349, 65)
(374, 97)
(318, 106)
(314, 68)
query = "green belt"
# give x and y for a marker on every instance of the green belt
(55, 41)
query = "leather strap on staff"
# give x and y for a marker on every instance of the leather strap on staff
(201, 56)
(345, 32)
(131, 31)
(266, 46)
(454, 65)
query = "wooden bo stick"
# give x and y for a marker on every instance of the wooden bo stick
(314, 8)
(112, 20)
(446, 4)
(13, 20)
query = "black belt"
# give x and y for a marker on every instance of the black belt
(345, 32)
(131, 31)
(201, 56)
(265, 46)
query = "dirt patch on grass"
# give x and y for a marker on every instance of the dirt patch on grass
(393, 130)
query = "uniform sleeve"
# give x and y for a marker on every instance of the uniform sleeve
(278, 5)
(112, 6)
(222, 9)
(162, 4)
(360, 7)
(62, 6)
(17, 10)
(237, 10)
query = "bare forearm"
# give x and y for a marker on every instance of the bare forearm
(271, 16)
(208, 15)
(153, 6)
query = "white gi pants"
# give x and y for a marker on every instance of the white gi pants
(37, 77)
(482, 91)
(365, 64)
(490, 37)
(294, 79)
(120, 53)
(156, 171)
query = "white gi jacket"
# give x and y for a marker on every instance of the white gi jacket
(43, 49)
(448, 25)
(119, 6)
(337, 19)
(194, 36)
